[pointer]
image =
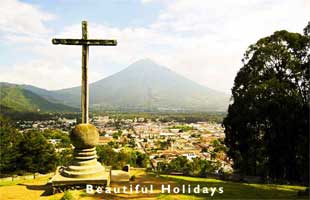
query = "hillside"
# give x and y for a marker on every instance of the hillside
(15, 98)
(145, 85)
(142, 86)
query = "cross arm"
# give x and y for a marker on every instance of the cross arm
(90, 42)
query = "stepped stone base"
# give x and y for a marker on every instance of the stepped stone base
(61, 183)
(84, 168)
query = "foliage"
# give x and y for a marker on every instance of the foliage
(204, 150)
(267, 126)
(132, 143)
(68, 196)
(133, 178)
(9, 141)
(117, 134)
(180, 164)
(195, 135)
(64, 157)
(13, 97)
(114, 144)
(34, 116)
(29, 151)
(16, 98)
(190, 117)
(194, 167)
(117, 160)
(164, 144)
(218, 145)
(37, 155)
(183, 128)
(57, 134)
(141, 159)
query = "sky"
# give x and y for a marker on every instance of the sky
(203, 40)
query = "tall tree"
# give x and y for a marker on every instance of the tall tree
(267, 126)
(37, 154)
(9, 140)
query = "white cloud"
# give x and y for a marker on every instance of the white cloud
(203, 40)
(190, 56)
(44, 74)
(215, 34)
(22, 18)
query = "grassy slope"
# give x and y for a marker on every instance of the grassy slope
(12, 97)
(233, 190)
(21, 100)
(37, 189)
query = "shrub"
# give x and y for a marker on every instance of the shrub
(68, 196)
(133, 178)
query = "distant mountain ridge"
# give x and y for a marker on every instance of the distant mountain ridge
(17, 99)
(143, 86)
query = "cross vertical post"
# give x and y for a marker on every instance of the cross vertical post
(84, 88)
(84, 168)
(85, 43)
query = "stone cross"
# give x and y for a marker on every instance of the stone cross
(85, 42)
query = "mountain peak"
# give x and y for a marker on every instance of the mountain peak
(145, 61)
(146, 86)
(145, 64)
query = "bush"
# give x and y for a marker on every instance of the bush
(133, 178)
(117, 160)
(68, 196)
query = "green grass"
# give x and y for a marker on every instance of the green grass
(233, 190)
(13, 97)
(22, 100)
(16, 182)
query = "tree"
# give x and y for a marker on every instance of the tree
(57, 134)
(132, 143)
(37, 155)
(267, 125)
(205, 167)
(117, 160)
(181, 164)
(30, 151)
(164, 144)
(107, 155)
(194, 167)
(9, 140)
(64, 157)
(142, 159)
(117, 134)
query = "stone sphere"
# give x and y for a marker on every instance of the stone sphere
(84, 136)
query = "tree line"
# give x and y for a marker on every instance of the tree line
(195, 167)
(118, 160)
(27, 151)
(30, 151)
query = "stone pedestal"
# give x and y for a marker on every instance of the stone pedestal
(84, 169)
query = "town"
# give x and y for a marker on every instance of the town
(161, 141)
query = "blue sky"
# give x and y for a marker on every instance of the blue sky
(116, 13)
(119, 13)
(203, 40)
